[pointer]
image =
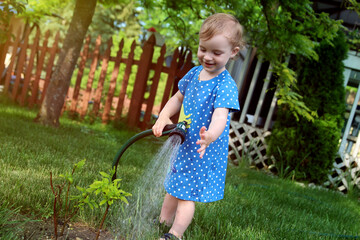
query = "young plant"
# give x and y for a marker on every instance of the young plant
(109, 190)
(58, 199)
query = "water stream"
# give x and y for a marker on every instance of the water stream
(136, 220)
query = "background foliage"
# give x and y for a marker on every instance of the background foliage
(8, 9)
(276, 28)
(109, 18)
(308, 148)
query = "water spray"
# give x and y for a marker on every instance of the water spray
(137, 218)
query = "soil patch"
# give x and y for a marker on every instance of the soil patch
(41, 230)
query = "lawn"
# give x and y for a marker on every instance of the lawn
(257, 205)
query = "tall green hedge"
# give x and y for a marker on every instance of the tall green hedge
(306, 150)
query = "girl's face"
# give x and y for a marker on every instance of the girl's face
(214, 53)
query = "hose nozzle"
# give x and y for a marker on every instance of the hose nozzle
(179, 130)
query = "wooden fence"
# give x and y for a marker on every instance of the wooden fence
(27, 73)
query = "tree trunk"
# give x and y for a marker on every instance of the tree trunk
(56, 92)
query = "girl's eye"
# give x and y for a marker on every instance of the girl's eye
(217, 53)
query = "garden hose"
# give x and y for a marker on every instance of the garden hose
(170, 129)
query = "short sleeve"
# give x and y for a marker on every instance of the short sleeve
(186, 79)
(227, 96)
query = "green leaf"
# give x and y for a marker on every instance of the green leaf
(124, 200)
(105, 175)
(70, 179)
(80, 189)
(90, 190)
(80, 164)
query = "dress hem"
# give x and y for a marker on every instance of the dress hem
(193, 200)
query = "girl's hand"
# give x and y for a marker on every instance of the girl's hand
(205, 139)
(216, 128)
(171, 108)
(159, 126)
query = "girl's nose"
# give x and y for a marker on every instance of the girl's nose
(207, 56)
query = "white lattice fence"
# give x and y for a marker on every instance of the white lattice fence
(248, 141)
(346, 173)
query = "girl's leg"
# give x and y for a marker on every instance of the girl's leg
(168, 209)
(184, 214)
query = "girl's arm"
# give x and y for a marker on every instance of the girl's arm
(216, 128)
(172, 107)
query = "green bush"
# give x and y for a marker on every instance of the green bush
(306, 150)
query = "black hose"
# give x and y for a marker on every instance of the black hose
(167, 130)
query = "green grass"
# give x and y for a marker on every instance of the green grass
(10, 222)
(256, 205)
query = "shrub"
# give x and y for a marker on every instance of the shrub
(308, 149)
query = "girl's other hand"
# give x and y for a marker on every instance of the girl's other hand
(205, 139)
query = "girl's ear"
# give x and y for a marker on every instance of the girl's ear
(234, 51)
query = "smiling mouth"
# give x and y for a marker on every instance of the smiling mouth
(208, 64)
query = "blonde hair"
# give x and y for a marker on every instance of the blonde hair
(223, 23)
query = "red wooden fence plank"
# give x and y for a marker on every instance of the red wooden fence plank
(170, 79)
(182, 54)
(4, 49)
(130, 61)
(80, 73)
(140, 82)
(87, 93)
(180, 71)
(165, 69)
(20, 65)
(29, 68)
(187, 65)
(114, 75)
(39, 68)
(12, 62)
(150, 101)
(100, 86)
(49, 68)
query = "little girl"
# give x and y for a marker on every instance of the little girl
(207, 94)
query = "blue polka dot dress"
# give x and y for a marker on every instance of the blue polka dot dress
(191, 177)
